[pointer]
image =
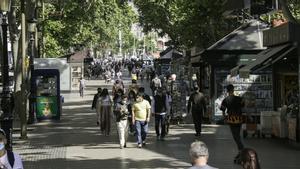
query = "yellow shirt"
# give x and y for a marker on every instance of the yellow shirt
(140, 110)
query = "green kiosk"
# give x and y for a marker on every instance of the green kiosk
(46, 85)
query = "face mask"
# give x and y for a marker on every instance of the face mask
(2, 146)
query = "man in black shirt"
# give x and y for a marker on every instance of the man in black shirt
(233, 106)
(197, 105)
(160, 108)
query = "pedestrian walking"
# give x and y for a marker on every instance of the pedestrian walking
(118, 96)
(199, 156)
(249, 159)
(121, 113)
(232, 105)
(131, 100)
(160, 109)
(134, 86)
(145, 95)
(119, 74)
(141, 111)
(197, 106)
(8, 159)
(117, 85)
(104, 107)
(81, 86)
(155, 84)
(95, 99)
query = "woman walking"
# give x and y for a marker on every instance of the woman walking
(130, 101)
(121, 113)
(104, 107)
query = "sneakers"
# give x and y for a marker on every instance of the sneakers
(144, 143)
(121, 146)
(139, 145)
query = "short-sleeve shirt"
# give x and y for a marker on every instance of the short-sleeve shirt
(17, 164)
(233, 104)
(140, 110)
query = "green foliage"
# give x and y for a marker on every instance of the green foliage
(294, 6)
(187, 23)
(86, 23)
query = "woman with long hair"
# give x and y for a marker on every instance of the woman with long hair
(131, 98)
(249, 159)
(104, 106)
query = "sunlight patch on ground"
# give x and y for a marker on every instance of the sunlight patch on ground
(112, 151)
(77, 106)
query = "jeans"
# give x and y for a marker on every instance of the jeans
(160, 120)
(141, 130)
(236, 133)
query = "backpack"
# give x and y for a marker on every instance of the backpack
(11, 158)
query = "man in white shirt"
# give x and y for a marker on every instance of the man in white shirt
(8, 159)
(81, 86)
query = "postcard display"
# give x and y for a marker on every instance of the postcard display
(255, 90)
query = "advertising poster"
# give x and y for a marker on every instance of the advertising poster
(46, 107)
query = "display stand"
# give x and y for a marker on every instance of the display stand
(76, 75)
(255, 90)
(47, 92)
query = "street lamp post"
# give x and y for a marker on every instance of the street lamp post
(6, 117)
(31, 30)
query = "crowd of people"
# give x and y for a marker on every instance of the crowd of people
(133, 108)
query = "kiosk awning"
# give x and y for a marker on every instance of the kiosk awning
(266, 58)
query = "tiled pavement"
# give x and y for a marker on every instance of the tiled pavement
(75, 142)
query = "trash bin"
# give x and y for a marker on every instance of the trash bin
(266, 123)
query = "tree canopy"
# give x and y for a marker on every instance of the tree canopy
(72, 23)
(187, 23)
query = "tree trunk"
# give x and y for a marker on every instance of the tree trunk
(14, 38)
(286, 11)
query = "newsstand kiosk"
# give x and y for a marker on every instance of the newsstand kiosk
(46, 85)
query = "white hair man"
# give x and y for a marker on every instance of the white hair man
(199, 155)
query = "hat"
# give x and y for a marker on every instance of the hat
(2, 132)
